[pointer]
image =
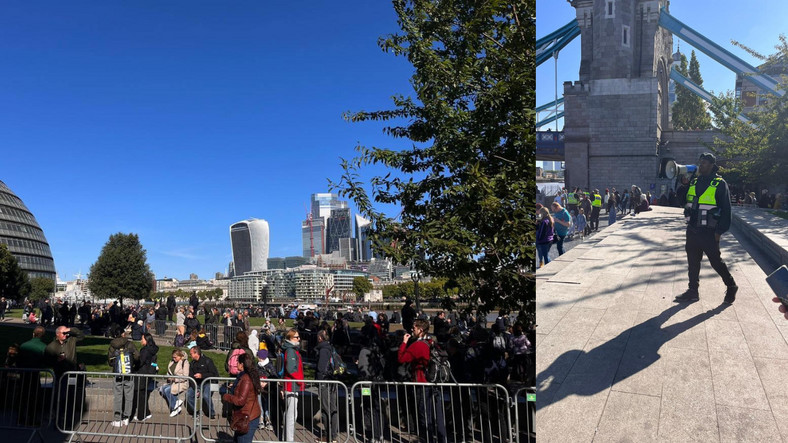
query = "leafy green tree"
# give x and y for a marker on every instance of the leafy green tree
(361, 286)
(755, 152)
(121, 270)
(41, 287)
(14, 283)
(689, 110)
(464, 186)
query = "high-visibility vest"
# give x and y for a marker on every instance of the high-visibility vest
(705, 204)
(571, 198)
(597, 203)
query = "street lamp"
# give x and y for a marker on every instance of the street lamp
(415, 276)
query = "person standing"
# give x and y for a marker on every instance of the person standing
(611, 209)
(417, 354)
(244, 395)
(194, 301)
(121, 356)
(408, 315)
(31, 355)
(171, 306)
(562, 222)
(544, 236)
(329, 406)
(3, 306)
(147, 366)
(596, 207)
(708, 216)
(293, 370)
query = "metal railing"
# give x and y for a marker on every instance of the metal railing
(524, 406)
(399, 412)
(26, 396)
(319, 411)
(108, 404)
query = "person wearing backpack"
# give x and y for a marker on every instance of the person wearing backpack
(246, 413)
(329, 407)
(371, 367)
(147, 365)
(290, 367)
(121, 356)
(266, 370)
(417, 354)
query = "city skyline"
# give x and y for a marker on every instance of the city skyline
(173, 121)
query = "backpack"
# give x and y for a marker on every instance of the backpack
(336, 365)
(280, 364)
(180, 341)
(376, 365)
(122, 360)
(439, 368)
(232, 362)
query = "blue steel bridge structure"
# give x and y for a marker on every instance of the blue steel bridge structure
(550, 144)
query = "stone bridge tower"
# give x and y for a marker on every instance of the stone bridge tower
(615, 115)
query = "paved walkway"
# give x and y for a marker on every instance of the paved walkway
(618, 360)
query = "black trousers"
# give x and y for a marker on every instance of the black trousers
(595, 218)
(702, 241)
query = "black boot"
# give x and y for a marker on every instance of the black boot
(730, 294)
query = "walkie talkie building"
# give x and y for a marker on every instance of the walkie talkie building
(25, 239)
(249, 239)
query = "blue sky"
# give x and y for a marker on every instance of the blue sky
(757, 27)
(175, 119)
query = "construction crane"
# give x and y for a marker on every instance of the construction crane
(311, 232)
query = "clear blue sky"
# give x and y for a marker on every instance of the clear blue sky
(174, 119)
(755, 24)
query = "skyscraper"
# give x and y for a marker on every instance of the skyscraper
(338, 227)
(313, 235)
(249, 239)
(363, 244)
(321, 206)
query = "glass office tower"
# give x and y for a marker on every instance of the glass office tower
(249, 240)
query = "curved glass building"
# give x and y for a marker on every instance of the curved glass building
(19, 231)
(249, 240)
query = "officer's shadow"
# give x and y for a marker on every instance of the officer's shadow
(649, 336)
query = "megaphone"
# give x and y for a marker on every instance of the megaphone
(672, 169)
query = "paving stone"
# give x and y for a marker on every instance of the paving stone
(736, 381)
(765, 340)
(688, 412)
(629, 418)
(739, 424)
(726, 335)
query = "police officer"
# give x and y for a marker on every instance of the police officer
(708, 215)
(572, 201)
(596, 206)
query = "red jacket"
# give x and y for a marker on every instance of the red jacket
(418, 355)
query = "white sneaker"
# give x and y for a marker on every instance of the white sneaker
(178, 404)
(135, 418)
(117, 423)
(175, 411)
(147, 417)
(125, 422)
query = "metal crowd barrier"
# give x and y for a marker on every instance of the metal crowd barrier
(225, 336)
(89, 402)
(524, 406)
(398, 412)
(302, 412)
(26, 396)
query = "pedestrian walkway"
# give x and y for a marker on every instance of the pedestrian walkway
(618, 360)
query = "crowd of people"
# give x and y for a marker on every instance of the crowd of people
(377, 351)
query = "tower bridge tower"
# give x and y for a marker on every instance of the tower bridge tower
(616, 113)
